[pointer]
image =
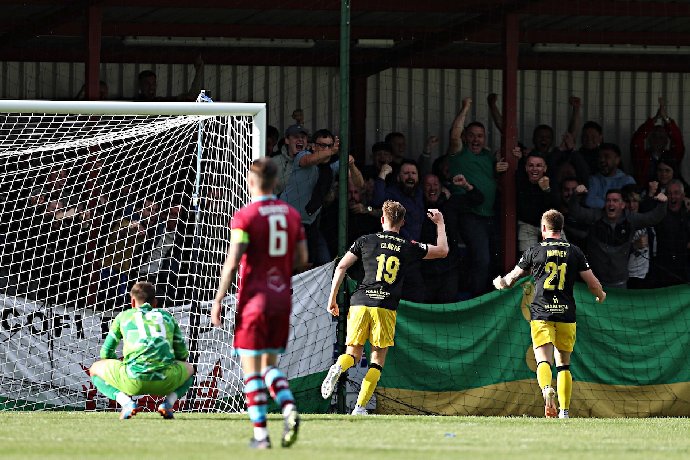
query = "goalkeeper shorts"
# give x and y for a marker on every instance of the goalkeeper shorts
(115, 374)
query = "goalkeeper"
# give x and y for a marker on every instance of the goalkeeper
(154, 353)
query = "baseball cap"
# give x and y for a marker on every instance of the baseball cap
(296, 129)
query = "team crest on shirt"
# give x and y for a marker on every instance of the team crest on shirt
(275, 280)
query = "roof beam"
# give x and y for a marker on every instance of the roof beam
(608, 8)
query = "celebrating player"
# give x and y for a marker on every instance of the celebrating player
(154, 353)
(554, 263)
(267, 241)
(385, 256)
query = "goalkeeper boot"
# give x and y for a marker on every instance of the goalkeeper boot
(129, 411)
(359, 410)
(290, 429)
(563, 413)
(263, 444)
(166, 410)
(550, 410)
(330, 381)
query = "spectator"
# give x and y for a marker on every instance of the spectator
(651, 142)
(534, 197)
(573, 231)
(638, 262)
(148, 83)
(670, 262)
(666, 170)
(272, 138)
(442, 276)
(300, 188)
(363, 218)
(426, 158)
(609, 176)
(382, 154)
(398, 143)
(592, 137)
(161, 261)
(611, 231)
(476, 223)
(295, 141)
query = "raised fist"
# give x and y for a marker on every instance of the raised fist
(385, 171)
(581, 189)
(544, 183)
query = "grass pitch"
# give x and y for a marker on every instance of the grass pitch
(81, 435)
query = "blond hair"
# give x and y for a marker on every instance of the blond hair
(394, 213)
(553, 220)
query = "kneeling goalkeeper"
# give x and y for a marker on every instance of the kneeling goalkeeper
(154, 353)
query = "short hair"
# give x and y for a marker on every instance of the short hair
(478, 124)
(553, 220)
(394, 212)
(322, 133)
(540, 128)
(272, 133)
(390, 136)
(143, 292)
(146, 74)
(592, 125)
(382, 146)
(610, 146)
(677, 182)
(536, 154)
(266, 172)
(614, 190)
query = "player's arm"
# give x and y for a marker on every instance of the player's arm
(301, 256)
(503, 282)
(239, 240)
(594, 285)
(112, 340)
(338, 276)
(440, 250)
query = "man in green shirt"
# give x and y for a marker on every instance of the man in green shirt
(154, 356)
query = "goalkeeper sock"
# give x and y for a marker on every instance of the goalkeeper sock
(255, 392)
(123, 399)
(369, 384)
(278, 387)
(564, 386)
(180, 392)
(105, 389)
(345, 361)
(544, 375)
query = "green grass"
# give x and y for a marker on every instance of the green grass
(74, 435)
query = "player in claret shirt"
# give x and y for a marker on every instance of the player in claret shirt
(385, 257)
(154, 356)
(267, 241)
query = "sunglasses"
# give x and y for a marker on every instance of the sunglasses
(323, 146)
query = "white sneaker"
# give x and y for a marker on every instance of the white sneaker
(550, 410)
(330, 381)
(563, 413)
(359, 410)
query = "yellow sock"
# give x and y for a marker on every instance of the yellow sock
(544, 374)
(564, 386)
(369, 385)
(346, 361)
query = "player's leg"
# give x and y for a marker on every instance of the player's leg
(565, 342)
(371, 379)
(256, 397)
(543, 336)
(358, 331)
(382, 335)
(183, 374)
(279, 389)
(107, 377)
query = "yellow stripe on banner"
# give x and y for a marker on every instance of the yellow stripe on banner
(237, 235)
(524, 398)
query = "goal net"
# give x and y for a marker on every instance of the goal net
(98, 195)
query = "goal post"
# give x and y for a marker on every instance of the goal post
(97, 195)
